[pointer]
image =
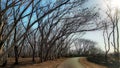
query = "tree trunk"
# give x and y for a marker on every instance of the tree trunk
(16, 54)
(33, 57)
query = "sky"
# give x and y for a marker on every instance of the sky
(97, 36)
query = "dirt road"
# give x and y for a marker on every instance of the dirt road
(79, 62)
(71, 63)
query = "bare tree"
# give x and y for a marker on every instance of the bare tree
(43, 28)
(112, 31)
(84, 47)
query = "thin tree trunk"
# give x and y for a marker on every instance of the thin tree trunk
(33, 57)
(16, 54)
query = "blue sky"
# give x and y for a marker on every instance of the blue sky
(94, 35)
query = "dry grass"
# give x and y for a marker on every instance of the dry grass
(27, 63)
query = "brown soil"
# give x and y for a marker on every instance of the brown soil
(88, 64)
(27, 63)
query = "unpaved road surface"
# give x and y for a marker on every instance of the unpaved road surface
(71, 63)
(79, 62)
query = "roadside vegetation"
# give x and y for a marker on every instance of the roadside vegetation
(100, 59)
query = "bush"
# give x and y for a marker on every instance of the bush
(100, 59)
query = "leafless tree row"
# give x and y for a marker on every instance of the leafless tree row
(40, 28)
(86, 47)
